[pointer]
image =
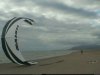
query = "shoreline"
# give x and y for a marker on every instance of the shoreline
(38, 58)
(74, 63)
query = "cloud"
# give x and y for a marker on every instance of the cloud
(66, 9)
(59, 23)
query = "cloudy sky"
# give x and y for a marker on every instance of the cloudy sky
(60, 24)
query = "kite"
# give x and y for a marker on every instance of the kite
(9, 40)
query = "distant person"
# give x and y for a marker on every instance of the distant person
(81, 51)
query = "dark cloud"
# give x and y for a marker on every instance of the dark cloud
(97, 34)
(49, 32)
(89, 1)
(67, 9)
(56, 6)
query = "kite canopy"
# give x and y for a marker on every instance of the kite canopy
(9, 39)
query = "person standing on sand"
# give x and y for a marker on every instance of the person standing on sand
(81, 51)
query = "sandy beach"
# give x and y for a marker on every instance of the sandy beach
(74, 63)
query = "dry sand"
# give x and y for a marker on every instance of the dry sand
(74, 63)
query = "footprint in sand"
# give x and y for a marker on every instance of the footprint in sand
(92, 61)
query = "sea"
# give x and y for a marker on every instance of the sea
(36, 55)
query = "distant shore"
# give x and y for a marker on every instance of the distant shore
(87, 62)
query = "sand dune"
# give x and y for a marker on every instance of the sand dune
(74, 63)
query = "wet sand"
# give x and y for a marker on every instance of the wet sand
(74, 63)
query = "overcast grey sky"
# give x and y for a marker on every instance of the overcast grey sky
(61, 24)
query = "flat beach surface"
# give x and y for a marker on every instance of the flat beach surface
(74, 63)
